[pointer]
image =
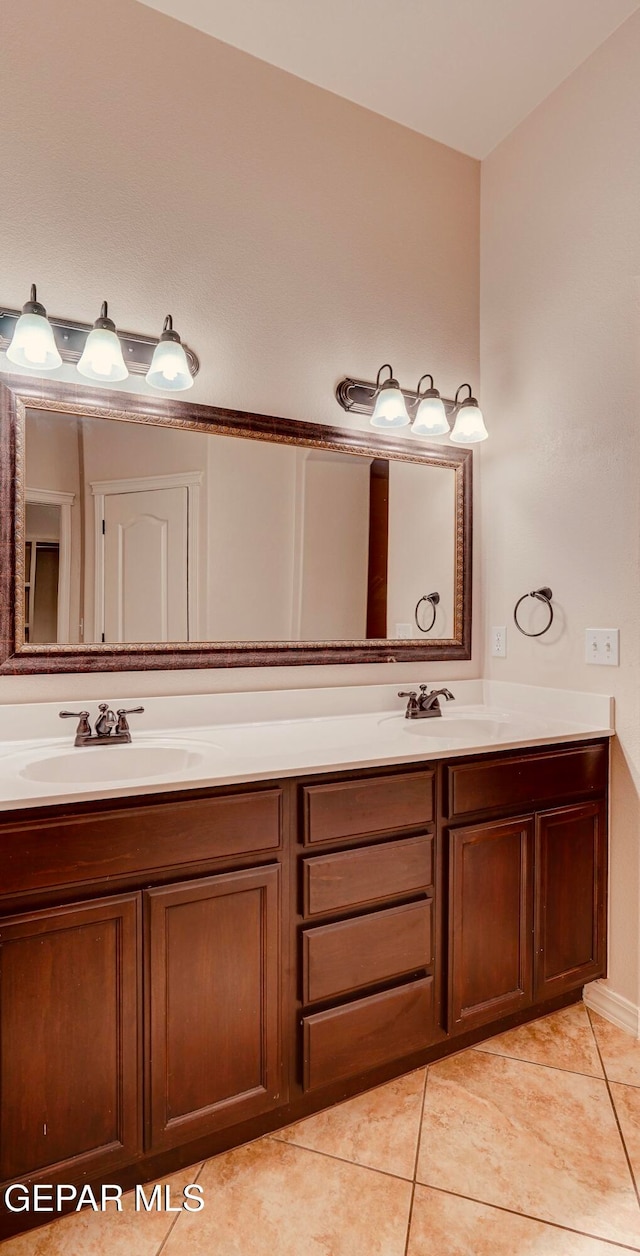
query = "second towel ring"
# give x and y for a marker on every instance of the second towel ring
(543, 595)
(433, 598)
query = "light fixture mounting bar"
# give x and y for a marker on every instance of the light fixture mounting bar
(359, 396)
(71, 337)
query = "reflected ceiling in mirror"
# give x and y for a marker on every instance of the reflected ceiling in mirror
(190, 531)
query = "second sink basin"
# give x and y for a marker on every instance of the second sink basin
(113, 763)
(461, 728)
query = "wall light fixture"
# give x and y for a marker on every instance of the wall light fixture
(100, 353)
(390, 409)
(169, 366)
(388, 405)
(431, 416)
(102, 358)
(469, 427)
(33, 342)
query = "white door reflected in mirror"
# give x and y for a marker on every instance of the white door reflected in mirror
(144, 567)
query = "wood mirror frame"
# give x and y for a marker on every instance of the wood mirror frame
(19, 394)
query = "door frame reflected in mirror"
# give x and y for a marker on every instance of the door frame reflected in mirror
(20, 394)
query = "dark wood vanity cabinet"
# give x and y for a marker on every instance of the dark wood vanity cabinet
(490, 921)
(70, 1039)
(570, 897)
(184, 972)
(527, 895)
(213, 1002)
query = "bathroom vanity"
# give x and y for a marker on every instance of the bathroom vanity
(269, 901)
(186, 970)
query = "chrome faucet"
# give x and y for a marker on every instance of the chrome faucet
(426, 706)
(110, 729)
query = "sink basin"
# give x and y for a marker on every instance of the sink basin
(473, 726)
(87, 764)
(476, 728)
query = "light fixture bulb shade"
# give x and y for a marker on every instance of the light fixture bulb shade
(469, 428)
(102, 358)
(33, 344)
(169, 367)
(390, 409)
(431, 418)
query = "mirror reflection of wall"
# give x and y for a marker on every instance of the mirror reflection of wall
(47, 558)
(177, 535)
(42, 568)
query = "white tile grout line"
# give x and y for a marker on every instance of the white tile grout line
(415, 1163)
(527, 1216)
(613, 1106)
(331, 1155)
(557, 1068)
(177, 1216)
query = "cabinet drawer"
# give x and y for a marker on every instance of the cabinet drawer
(350, 1040)
(355, 953)
(351, 878)
(377, 804)
(83, 847)
(527, 780)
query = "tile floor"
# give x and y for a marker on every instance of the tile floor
(528, 1145)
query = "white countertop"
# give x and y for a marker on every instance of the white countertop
(223, 739)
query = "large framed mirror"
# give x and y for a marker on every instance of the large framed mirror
(138, 533)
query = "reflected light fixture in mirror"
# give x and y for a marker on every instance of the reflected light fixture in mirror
(169, 366)
(102, 358)
(33, 344)
(431, 416)
(390, 409)
(469, 427)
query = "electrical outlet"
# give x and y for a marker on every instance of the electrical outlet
(602, 646)
(499, 643)
(403, 632)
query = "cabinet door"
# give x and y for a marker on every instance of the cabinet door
(69, 1039)
(571, 872)
(490, 921)
(214, 1014)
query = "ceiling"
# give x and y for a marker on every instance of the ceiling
(464, 72)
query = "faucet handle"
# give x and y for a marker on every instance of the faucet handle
(84, 727)
(123, 724)
(413, 694)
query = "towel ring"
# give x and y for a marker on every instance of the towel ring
(433, 598)
(543, 595)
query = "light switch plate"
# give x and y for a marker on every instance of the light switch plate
(499, 643)
(602, 646)
(403, 632)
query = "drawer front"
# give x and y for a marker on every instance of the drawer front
(350, 1040)
(340, 958)
(78, 848)
(527, 780)
(378, 804)
(351, 878)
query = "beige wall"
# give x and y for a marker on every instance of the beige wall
(251, 539)
(422, 542)
(333, 539)
(52, 462)
(560, 322)
(294, 236)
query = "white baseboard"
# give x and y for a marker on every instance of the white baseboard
(614, 1007)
